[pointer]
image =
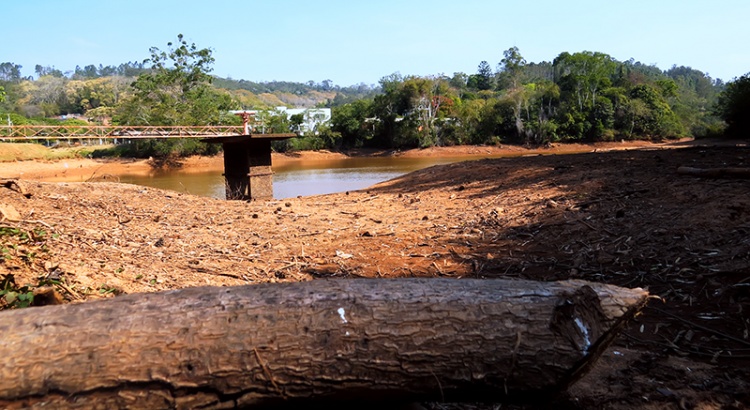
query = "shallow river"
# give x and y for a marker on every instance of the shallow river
(298, 178)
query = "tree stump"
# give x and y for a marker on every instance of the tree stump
(325, 340)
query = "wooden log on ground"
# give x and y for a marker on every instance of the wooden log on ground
(739, 173)
(362, 339)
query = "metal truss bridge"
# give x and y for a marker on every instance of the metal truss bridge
(71, 132)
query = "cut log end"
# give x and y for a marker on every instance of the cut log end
(400, 339)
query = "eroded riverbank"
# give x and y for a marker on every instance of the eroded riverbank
(85, 169)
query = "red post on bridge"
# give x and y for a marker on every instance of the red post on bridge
(245, 115)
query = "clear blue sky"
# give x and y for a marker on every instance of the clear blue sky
(357, 41)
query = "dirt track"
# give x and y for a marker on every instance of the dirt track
(625, 218)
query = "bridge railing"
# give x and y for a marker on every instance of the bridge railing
(35, 132)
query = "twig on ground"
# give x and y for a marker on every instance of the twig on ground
(701, 327)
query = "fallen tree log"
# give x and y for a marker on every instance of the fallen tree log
(740, 173)
(397, 339)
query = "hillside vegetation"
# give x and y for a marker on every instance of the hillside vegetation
(578, 97)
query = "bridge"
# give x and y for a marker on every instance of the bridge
(247, 156)
(72, 132)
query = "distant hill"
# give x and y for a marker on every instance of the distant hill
(276, 93)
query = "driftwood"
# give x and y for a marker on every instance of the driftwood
(15, 185)
(399, 339)
(740, 173)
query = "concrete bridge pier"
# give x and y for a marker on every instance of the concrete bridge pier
(247, 165)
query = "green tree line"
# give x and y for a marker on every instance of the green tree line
(579, 97)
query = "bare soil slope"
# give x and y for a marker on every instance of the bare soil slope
(625, 218)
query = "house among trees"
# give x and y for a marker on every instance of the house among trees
(304, 121)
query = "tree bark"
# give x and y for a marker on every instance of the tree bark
(361, 339)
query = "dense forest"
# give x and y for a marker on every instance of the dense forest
(585, 96)
(579, 97)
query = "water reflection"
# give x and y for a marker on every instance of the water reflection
(209, 183)
(303, 178)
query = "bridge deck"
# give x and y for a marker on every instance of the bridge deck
(247, 158)
(36, 132)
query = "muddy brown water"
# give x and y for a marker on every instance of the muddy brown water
(303, 178)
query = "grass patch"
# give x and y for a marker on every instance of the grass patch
(26, 151)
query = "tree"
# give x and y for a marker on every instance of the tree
(428, 100)
(277, 122)
(89, 71)
(389, 108)
(89, 94)
(659, 120)
(469, 116)
(43, 71)
(353, 123)
(10, 72)
(636, 114)
(296, 121)
(511, 67)
(484, 76)
(734, 105)
(48, 94)
(584, 74)
(176, 90)
(542, 103)
(459, 81)
(696, 95)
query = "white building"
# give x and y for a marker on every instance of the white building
(312, 117)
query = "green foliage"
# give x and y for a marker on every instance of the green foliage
(694, 98)
(581, 96)
(586, 96)
(42, 71)
(658, 121)
(582, 75)
(511, 68)
(176, 90)
(17, 119)
(10, 72)
(130, 69)
(295, 122)
(13, 296)
(105, 289)
(18, 246)
(411, 112)
(484, 77)
(350, 123)
(306, 143)
(158, 148)
(276, 122)
(733, 106)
